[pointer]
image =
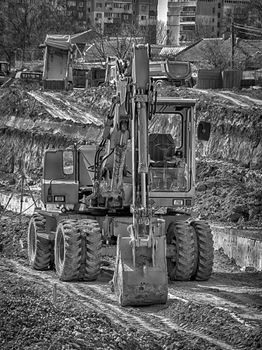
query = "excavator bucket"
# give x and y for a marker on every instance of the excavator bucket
(140, 276)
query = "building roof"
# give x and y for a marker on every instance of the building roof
(248, 53)
(83, 37)
(172, 50)
(59, 41)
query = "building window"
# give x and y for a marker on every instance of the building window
(187, 19)
(98, 5)
(143, 18)
(118, 6)
(188, 27)
(71, 3)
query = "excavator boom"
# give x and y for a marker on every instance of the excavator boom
(140, 276)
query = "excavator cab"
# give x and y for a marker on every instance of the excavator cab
(171, 152)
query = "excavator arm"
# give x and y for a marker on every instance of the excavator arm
(140, 276)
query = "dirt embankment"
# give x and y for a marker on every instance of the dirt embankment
(32, 121)
(236, 125)
(229, 165)
(227, 192)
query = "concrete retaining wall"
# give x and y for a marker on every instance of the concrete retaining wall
(245, 246)
(15, 202)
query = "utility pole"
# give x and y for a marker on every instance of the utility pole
(232, 42)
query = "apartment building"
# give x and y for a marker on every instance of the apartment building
(145, 17)
(77, 11)
(110, 15)
(214, 17)
(181, 21)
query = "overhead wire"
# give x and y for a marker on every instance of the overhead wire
(248, 27)
(250, 34)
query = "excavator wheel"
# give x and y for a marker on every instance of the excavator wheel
(77, 250)
(181, 266)
(91, 244)
(205, 248)
(39, 249)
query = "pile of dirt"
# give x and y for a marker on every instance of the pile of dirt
(236, 125)
(222, 263)
(17, 102)
(227, 192)
(17, 96)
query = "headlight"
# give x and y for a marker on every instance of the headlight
(178, 202)
(59, 198)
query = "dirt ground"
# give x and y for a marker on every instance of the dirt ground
(228, 192)
(40, 312)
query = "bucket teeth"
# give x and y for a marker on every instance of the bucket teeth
(142, 284)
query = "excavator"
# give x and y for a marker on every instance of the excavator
(128, 197)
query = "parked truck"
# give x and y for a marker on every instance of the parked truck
(165, 72)
(57, 70)
(176, 73)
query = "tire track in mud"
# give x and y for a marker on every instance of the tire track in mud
(235, 100)
(96, 296)
(60, 110)
(243, 98)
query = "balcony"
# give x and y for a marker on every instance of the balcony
(187, 13)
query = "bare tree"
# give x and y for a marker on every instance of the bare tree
(119, 45)
(24, 25)
(256, 5)
(217, 54)
(161, 33)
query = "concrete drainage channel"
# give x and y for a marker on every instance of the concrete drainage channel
(242, 245)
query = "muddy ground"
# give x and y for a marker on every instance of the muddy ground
(40, 312)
